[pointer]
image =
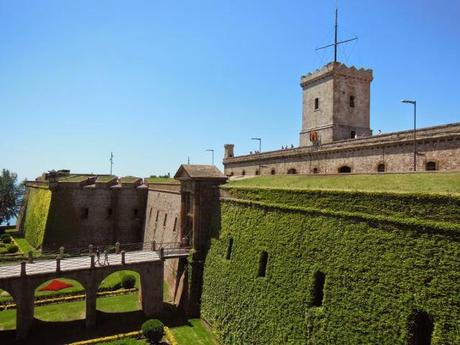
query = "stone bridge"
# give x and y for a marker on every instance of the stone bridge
(21, 280)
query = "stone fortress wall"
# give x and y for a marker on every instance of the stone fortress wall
(438, 148)
(86, 209)
(336, 135)
(163, 224)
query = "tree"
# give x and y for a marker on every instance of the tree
(11, 194)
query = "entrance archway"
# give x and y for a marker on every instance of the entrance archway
(119, 292)
(344, 169)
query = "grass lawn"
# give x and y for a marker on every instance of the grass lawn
(195, 333)
(160, 180)
(24, 245)
(421, 182)
(118, 304)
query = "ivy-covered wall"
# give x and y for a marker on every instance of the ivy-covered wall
(376, 272)
(36, 217)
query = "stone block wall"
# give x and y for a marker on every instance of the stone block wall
(162, 225)
(394, 150)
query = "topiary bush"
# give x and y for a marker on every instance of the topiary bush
(128, 281)
(6, 238)
(153, 330)
(12, 248)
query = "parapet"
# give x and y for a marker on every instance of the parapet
(336, 69)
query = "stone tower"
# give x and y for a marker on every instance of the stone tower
(336, 104)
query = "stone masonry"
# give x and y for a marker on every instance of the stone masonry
(336, 135)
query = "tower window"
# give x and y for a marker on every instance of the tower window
(316, 103)
(135, 212)
(272, 172)
(430, 166)
(85, 213)
(344, 169)
(257, 172)
(318, 289)
(165, 219)
(315, 170)
(263, 260)
(228, 255)
(353, 135)
(150, 213)
(175, 224)
(292, 171)
(420, 328)
(109, 213)
(352, 101)
(158, 214)
(381, 167)
(243, 172)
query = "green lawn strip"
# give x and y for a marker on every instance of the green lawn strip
(118, 304)
(195, 333)
(419, 182)
(24, 245)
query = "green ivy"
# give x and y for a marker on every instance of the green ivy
(376, 272)
(436, 207)
(38, 204)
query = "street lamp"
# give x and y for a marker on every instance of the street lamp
(212, 151)
(260, 149)
(414, 103)
(260, 143)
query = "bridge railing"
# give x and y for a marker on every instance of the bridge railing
(62, 253)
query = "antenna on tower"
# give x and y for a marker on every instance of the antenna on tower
(336, 42)
(111, 162)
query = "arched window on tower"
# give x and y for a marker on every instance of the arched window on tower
(257, 172)
(272, 172)
(243, 173)
(381, 167)
(292, 171)
(344, 169)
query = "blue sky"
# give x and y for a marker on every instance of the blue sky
(158, 81)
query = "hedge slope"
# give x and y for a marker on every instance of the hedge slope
(376, 275)
(38, 204)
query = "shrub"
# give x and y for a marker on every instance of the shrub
(128, 281)
(6, 238)
(153, 330)
(12, 248)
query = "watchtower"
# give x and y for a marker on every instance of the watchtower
(336, 104)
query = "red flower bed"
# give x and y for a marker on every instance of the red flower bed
(55, 285)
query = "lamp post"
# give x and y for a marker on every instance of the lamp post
(260, 149)
(212, 151)
(260, 143)
(414, 103)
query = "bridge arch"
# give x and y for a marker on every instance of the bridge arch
(113, 282)
(7, 296)
(61, 287)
